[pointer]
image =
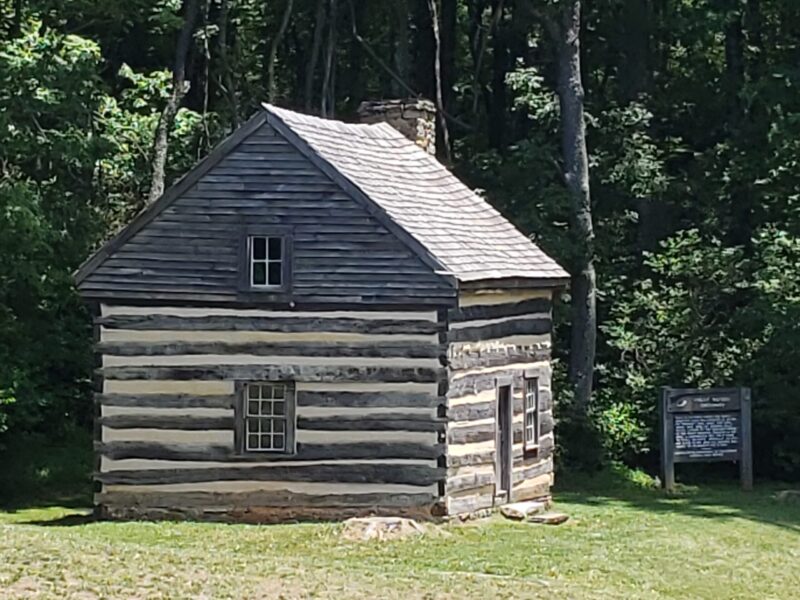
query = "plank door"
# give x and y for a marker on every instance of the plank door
(503, 442)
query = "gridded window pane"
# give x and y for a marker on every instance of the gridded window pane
(266, 417)
(531, 413)
(266, 261)
(275, 273)
(259, 248)
(275, 248)
(259, 273)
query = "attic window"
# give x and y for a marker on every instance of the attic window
(266, 261)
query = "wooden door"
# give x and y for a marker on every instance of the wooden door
(504, 443)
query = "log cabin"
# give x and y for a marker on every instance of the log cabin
(320, 321)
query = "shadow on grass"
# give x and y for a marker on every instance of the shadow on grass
(715, 500)
(71, 520)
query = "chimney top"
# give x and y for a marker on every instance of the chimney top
(415, 118)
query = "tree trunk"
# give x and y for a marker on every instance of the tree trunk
(402, 61)
(635, 33)
(437, 69)
(449, 36)
(16, 24)
(229, 87)
(480, 44)
(273, 50)
(316, 46)
(161, 141)
(328, 78)
(424, 48)
(206, 142)
(576, 175)
(501, 63)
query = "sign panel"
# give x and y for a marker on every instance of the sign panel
(705, 426)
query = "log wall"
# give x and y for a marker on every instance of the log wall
(368, 394)
(491, 335)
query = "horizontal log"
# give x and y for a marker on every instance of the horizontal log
(245, 500)
(472, 412)
(545, 400)
(545, 449)
(226, 453)
(464, 359)
(469, 385)
(483, 432)
(417, 475)
(167, 400)
(120, 292)
(303, 373)
(532, 489)
(497, 311)
(541, 468)
(502, 329)
(468, 504)
(388, 422)
(332, 349)
(484, 457)
(186, 423)
(476, 411)
(369, 399)
(277, 324)
(546, 423)
(469, 481)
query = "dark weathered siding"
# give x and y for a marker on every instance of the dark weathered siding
(341, 253)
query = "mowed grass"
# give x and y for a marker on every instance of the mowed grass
(621, 542)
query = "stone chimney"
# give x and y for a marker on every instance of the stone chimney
(414, 118)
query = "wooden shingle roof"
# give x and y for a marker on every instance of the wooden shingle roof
(448, 227)
(469, 238)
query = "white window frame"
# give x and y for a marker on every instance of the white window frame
(266, 417)
(268, 260)
(531, 431)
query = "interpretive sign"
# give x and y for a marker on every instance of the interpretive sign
(703, 426)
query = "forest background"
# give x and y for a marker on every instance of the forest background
(693, 132)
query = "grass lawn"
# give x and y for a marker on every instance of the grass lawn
(621, 542)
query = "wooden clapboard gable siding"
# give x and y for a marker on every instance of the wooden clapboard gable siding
(341, 253)
(367, 410)
(496, 335)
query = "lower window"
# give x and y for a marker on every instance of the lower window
(531, 414)
(266, 417)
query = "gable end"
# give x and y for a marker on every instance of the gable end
(190, 246)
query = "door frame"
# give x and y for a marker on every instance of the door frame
(504, 422)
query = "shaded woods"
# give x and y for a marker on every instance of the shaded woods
(692, 124)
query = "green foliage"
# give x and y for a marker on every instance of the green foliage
(37, 467)
(73, 165)
(693, 125)
(708, 315)
(48, 87)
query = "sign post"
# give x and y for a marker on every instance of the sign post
(711, 425)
